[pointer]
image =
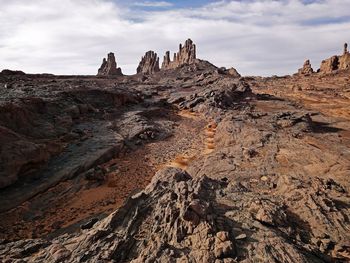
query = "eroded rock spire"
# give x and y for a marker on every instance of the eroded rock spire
(109, 67)
(185, 55)
(306, 69)
(149, 63)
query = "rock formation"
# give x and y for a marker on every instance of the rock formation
(306, 69)
(336, 62)
(231, 72)
(149, 63)
(109, 67)
(186, 55)
(344, 60)
(329, 65)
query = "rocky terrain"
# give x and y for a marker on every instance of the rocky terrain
(184, 163)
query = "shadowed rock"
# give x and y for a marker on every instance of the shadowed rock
(109, 67)
(149, 63)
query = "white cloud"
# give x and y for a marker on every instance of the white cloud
(153, 4)
(257, 37)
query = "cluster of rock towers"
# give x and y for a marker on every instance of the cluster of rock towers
(329, 65)
(149, 63)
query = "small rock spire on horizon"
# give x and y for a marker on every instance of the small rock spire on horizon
(345, 48)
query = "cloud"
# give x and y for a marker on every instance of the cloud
(153, 4)
(258, 37)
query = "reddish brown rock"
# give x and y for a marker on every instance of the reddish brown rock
(344, 60)
(329, 65)
(149, 63)
(109, 67)
(186, 55)
(306, 69)
(336, 62)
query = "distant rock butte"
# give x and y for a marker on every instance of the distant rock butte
(186, 55)
(149, 63)
(9, 72)
(336, 62)
(306, 69)
(109, 67)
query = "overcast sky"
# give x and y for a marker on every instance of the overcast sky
(257, 37)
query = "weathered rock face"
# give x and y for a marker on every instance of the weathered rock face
(336, 62)
(344, 60)
(306, 69)
(329, 65)
(177, 218)
(109, 67)
(149, 63)
(186, 55)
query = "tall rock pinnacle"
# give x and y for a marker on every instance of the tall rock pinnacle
(186, 55)
(306, 69)
(345, 48)
(149, 63)
(109, 67)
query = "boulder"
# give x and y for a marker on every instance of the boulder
(233, 72)
(109, 67)
(149, 63)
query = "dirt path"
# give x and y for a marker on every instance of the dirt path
(69, 204)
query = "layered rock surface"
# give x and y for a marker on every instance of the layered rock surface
(185, 55)
(149, 63)
(109, 67)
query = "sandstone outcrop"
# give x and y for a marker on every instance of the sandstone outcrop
(149, 63)
(329, 65)
(109, 67)
(186, 55)
(306, 69)
(336, 62)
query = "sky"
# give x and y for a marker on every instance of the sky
(257, 37)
